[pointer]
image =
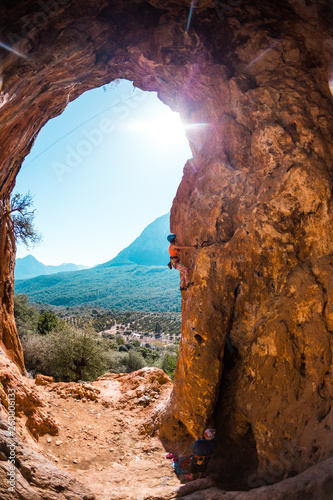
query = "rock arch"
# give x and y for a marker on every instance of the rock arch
(251, 78)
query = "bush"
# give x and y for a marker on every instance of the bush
(69, 354)
(125, 362)
(135, 361)
(77, 354)
(146, 351)
(36, 351)
(116, 362)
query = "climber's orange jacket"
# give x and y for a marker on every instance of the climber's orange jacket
(173, 252)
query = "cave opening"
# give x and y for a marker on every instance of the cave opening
(76, 196)
(55, 176)
(102, 171)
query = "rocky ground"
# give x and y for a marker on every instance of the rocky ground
(97, 442)
(88, 441)
(103, 440)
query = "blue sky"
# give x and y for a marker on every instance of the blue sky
(97, 187)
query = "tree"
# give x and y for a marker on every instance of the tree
(47, 322)
(22, 219)
(120, 340)
(26, 316)
(158, 328)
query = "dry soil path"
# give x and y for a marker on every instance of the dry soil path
(102, 442)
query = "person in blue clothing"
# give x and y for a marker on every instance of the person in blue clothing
(202, 451)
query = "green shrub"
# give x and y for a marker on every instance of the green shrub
(169, 363)
(135, 361)
(47, 322)
(116, 362)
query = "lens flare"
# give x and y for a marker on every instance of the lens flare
(14, 51)
(196, 134)
(196, 127)
(330, 83)
(190, 14)
(262, 54)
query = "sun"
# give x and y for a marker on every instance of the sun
(168, 127)
(164, 126)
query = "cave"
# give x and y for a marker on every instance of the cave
(251, 80)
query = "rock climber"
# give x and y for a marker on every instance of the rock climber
(202, 451)
(175, 261)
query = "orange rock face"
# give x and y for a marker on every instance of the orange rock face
(252, 81)
(9, 340)
(256, 349)
(43, 379)
(30, 407)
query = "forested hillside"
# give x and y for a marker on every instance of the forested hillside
(125, 287)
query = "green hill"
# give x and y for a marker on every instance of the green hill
(122, 283)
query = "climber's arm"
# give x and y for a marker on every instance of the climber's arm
(183, 247)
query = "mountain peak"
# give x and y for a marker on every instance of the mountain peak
(148, 249)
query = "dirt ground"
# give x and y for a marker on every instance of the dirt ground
(103, 440)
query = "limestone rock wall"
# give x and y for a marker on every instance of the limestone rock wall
(257, 200)
(251, 81)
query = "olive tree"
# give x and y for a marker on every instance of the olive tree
(20, 216)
